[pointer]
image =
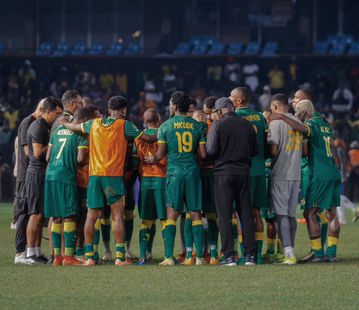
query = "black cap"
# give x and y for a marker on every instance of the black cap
(222, 103)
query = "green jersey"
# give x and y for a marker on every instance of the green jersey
(182, 136)
(62, 166)
(260, 125)
(320, 160)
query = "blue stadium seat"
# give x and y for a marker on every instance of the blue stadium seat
(270, 49)
(2, 48)
(235, 48)
(79, 49)
(115, 49)
(183, 48)
(321, 48)
(338, 49)
(217, 48)
(96, 49)
(62, 49)
(252, 48)
(354, 48)
(133, 49)
(200, 48)
(46, 49)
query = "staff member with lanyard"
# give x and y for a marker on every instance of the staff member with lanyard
(231, 143)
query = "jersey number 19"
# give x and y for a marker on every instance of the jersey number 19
(185, 141)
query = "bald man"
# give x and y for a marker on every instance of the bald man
(20, 193)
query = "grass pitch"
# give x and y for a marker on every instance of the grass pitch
(108, 287)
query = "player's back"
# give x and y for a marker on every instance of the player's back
(182, 135)
(260, 125)
(321, 162)
(63, 160)
(108, 147)
(145, 149)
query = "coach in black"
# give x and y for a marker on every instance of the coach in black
(231, 143)
(38, 136)
(20, 193)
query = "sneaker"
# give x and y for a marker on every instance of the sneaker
(250, 261)
(80, 258)
(31, 260)
(70, 261)
(181, 257)
(141, 262)
(200, 261)
(89, 262)
(332, 259)
(58, 261)
(41, 259)
(107, 255)
(50, 260)
(149, 256)
(311, 258)
(167, 262)
(268, 256)
(213, 261)
(279, 258)
(188, 262)
(119, 262)
(227, 262)
(289, 261)
(20, 259)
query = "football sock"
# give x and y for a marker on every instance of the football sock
(212, 234)
(270, 246)
(56, 238)
(235, 235)
(70, 237)
(79, 251)
(120, 251)
(280, 249)
(106, 232)
(293, 229)
(258, 237)
(317, 248)
(332, 246)
(170, 234)
(144, 235)
(188, 236)
(38, 251)
(289, 251)
(241, 245)
(197, 228)
(323, 229)
(152, 237)
(163, 228)
(31, 251)
(96, 236)
(89, 252)
(284, 230)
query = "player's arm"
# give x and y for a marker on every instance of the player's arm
(83, 156)
(254, 144)
(48, 153)
(305, 149)
(303, 129)
(273, 137)
(212, 145)
(161, 149)
(39, 150)
(74, 127)
(202, 151)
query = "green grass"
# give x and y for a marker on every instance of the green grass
(266, 286)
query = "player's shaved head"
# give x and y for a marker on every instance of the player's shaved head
(240, 96)
(305, 106)
(151, 116)
(279, 103)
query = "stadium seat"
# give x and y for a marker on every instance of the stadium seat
(217, 48)
(46, 49)
(2, 48)
(79, 49)
(115, 49)
(235, 48)
(183, 48)
(354, 48)
(321, 48)
(200, 48)
(252, 48)
(62, 49)
(270, 49)
(133, 49)
(96, 49)
(338, 49)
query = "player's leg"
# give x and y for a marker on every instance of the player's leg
(80, 222)
(213, 237)
(271, 238)
(188, 238)
(129, 220)
(182, 256)
(106, 233)
(151, 239)
(236, 233)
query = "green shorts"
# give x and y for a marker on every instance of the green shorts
(184, 191)
(304, 184)
(208, 202)
(60, 199)
(104, 191)
(323, 194)
(258, 191)
(153, 204)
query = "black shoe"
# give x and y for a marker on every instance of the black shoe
(332, 259)
(311, 258)
(41, 259)
(31, 260)
(250, 260)
(50, 260)
(229, 261)
(306, 259)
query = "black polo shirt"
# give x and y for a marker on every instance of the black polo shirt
(22, 159)
(232, 143)
(39, 132)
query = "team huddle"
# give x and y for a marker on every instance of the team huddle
(222, 170)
